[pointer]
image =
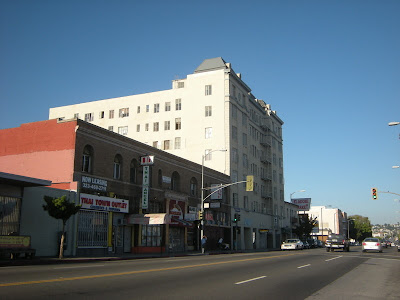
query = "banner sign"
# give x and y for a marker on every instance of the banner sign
(145, 189)
(302, 203)
(104, 203)
(218, 194)
(93, 183)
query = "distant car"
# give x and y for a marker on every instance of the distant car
(306, 245)
(398, 248)
(371, 244)
(292, 244)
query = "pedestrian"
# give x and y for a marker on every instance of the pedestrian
(203, 244)
(220, 241)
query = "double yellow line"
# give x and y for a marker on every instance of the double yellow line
(138, 272)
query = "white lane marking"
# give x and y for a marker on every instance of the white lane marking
(250, 280)
(78, 267)
(334, 258)
(304, 266)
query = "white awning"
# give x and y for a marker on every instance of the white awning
(149, 219)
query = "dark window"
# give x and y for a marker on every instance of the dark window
(87, 159)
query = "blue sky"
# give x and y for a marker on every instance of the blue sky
(331, 70)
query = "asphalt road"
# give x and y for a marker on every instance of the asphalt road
(308, 274)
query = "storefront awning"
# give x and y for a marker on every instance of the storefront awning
(149, 219)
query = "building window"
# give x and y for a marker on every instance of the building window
(208, 111)
(151, 235)
(178, 124)
(246, 202)
(155, 126)
(156, 144)
(111, 114)
(124, 112)
(146, 127)
(167, 144)
(177, 143)
(178, 104)
(245, 161)
(138, 128)
(87, 159)
(101, 115)
(193, 187)
(156, 108)
(208, 90)
(235, 200)
(208, 133)
(175, 181)
(244, 139)
(89, 117)
(117, 167)
(138, 109)
(76, 116)
(181, 85)
(167, 125)
(147, 108)
(167, 106)
(123, 130)
(235, 155)
(133, 170)
(234, 133)
(111, 128)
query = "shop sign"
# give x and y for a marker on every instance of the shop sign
(302, 203)
(215, 204)
(145, 197)
(216, 192)
(147, 160)
(166, 179)
(93, 183)
(264, 230)
(104, 203)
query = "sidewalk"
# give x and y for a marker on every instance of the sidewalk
(113, 257)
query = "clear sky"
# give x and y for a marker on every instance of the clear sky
(331, 70)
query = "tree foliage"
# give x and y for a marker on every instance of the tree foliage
(60, 208)
(360, 228)
(305, 227)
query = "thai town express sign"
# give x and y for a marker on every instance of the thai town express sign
(104, 203)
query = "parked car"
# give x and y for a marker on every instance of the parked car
(292, 244)
(372, 244)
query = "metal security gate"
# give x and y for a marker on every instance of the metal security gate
(92, 229)
(9, 215)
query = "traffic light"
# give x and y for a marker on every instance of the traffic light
(238, 217)
(235, 218)
(374, 192)
(201, 215)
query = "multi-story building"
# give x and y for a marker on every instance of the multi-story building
(330, 220)
(126, 206)
(212, 109)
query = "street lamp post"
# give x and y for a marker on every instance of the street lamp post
(202, 190)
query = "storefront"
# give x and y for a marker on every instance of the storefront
(100, 225)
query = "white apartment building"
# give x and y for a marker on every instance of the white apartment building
(210, 110)
(330, 220)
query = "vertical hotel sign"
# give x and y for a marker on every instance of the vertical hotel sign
(146, 162)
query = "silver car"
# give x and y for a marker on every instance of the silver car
(371, 244)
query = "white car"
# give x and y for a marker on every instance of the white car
(371, 244)
(292, 244)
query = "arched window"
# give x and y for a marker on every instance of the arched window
(160, 181)
(133, 171)
(117, 167)
(87, 159)
(175, 182)
(193, 186)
